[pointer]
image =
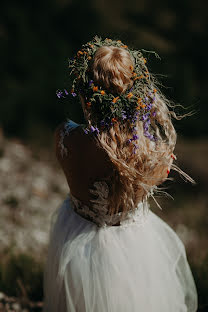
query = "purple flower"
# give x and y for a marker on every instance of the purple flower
(149, 136)
(129, 141)
(94, 130)
(149, 106)
(90, 82)
(59, 94)
(146, 126)
(73, 94)
(134, 119)
(135, 137)
(86, 131)
(153, 114)
(144, 117)
(66, 92)
(123, 116)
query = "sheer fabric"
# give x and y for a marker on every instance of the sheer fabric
(137, 266)
(93, 266)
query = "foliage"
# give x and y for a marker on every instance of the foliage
(37, 38)
(22, 276)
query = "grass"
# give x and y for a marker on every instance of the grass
(21, 273)
(21, 276)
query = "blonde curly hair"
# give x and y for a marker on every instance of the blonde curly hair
(112, 68)
(137, 173)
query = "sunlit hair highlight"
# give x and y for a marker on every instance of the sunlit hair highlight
(137, 172)
(112, 68)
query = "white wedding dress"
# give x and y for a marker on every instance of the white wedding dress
(93, 266)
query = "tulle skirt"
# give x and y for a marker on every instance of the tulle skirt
(135, 267)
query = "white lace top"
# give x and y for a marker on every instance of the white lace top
(98, 211)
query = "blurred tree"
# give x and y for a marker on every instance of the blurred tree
(38, 37)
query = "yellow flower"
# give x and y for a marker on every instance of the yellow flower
(89, 57)
(95, 89)
(102, 92)
(154, 90)
(114, 119)
(119, 41)
(129, 95)
(79, 53)
(139, 100)
(124, 46)
(145, 60)
(115, 99)
(138, 107)
(131, 67)
(138, 77)
(88, 104)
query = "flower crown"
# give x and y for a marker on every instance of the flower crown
(104, 108)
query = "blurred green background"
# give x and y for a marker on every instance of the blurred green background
(37, 38)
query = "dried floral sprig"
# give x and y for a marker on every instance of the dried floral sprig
(105, 108)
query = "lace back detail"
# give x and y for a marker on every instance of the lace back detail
(98, 211)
